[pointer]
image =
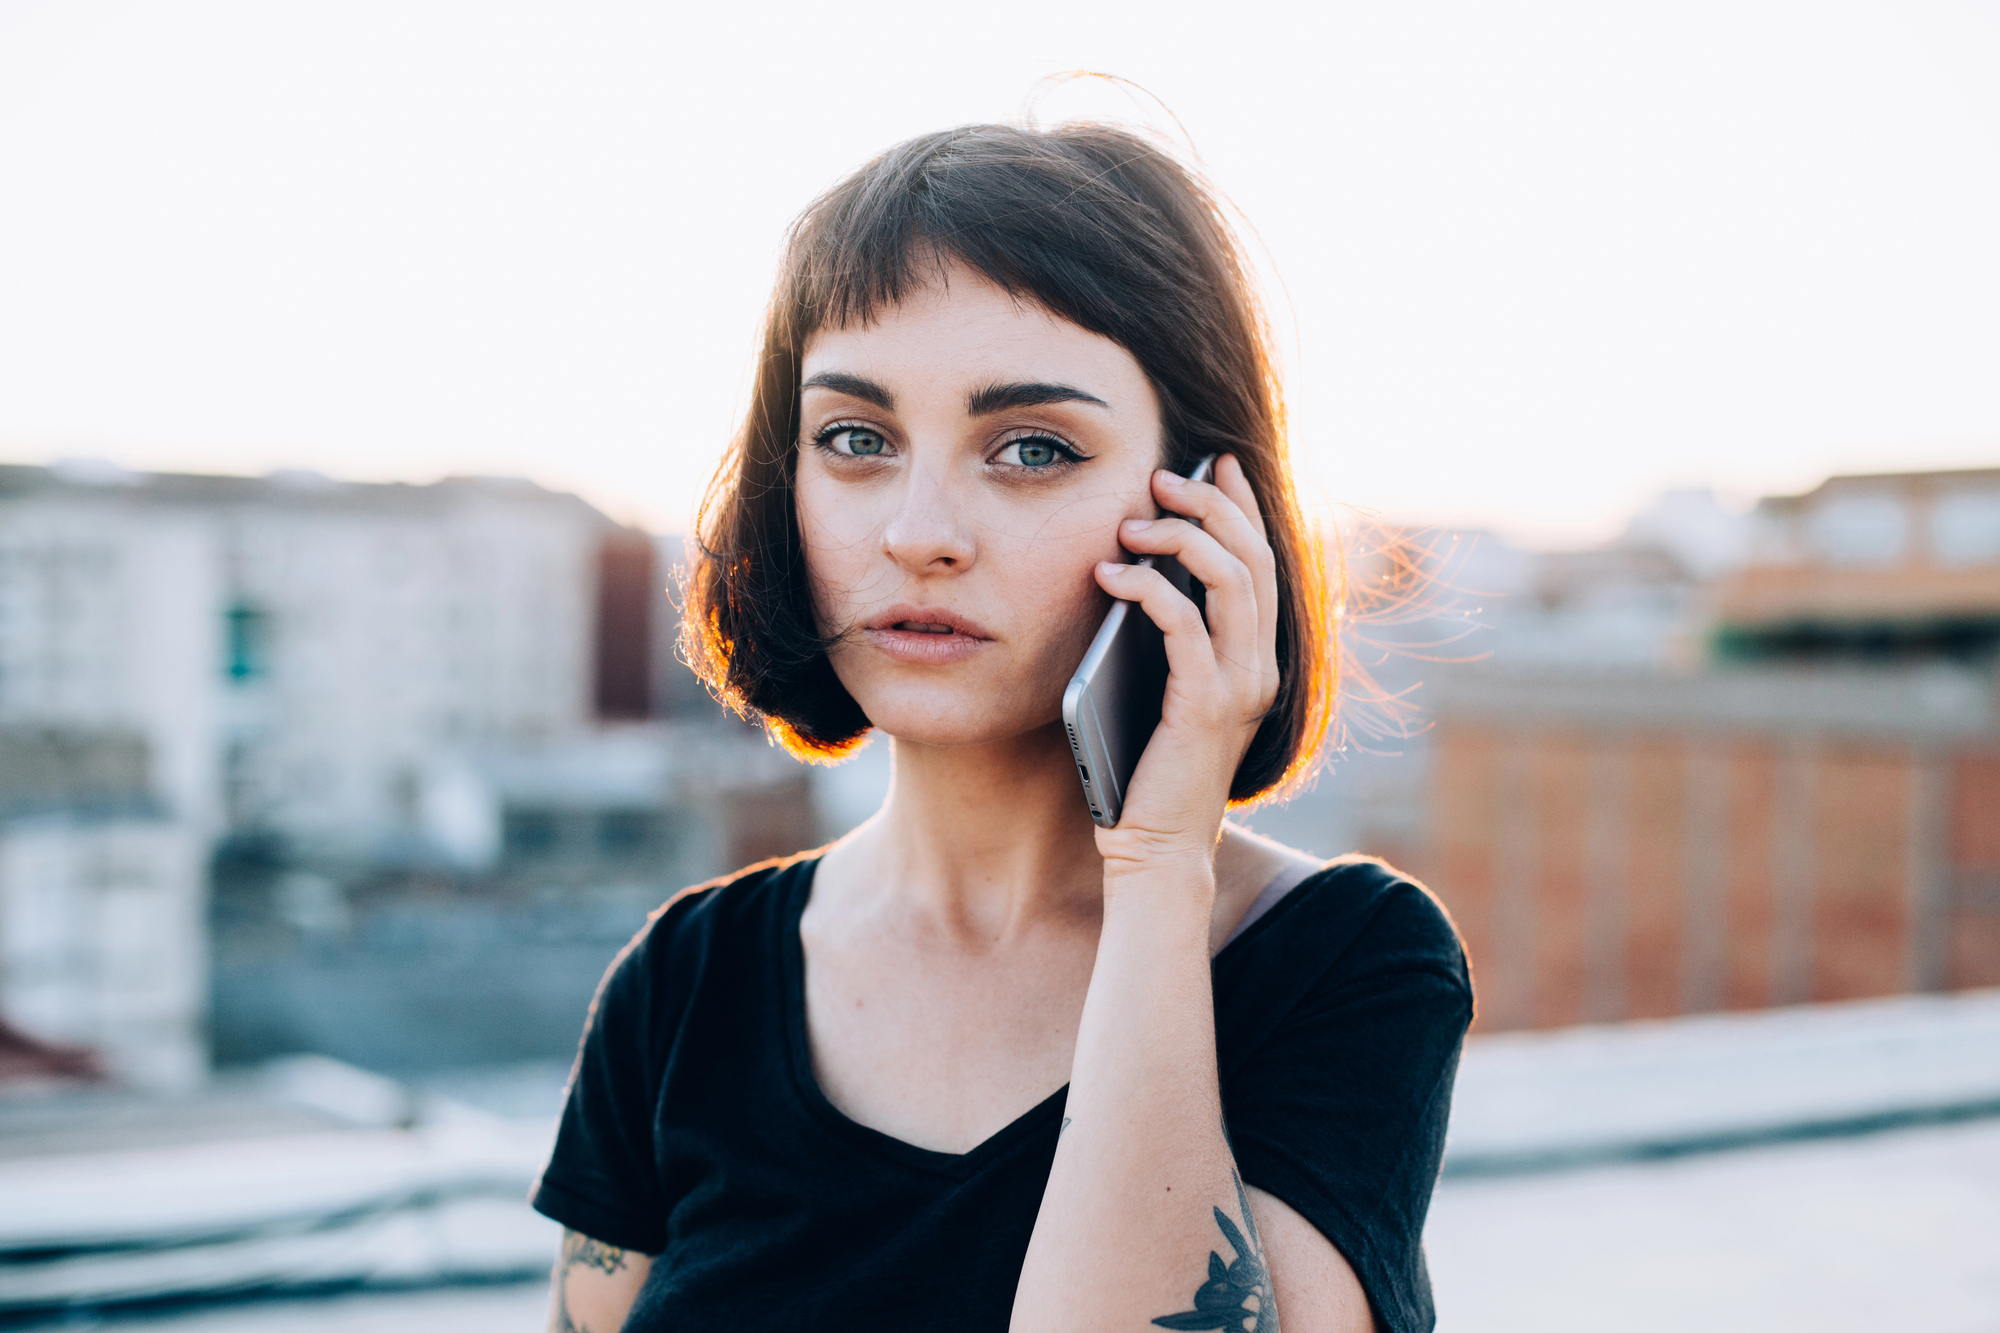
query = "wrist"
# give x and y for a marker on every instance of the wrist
(1160, 883)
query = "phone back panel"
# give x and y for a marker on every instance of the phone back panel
(1112, 706)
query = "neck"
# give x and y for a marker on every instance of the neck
(989, 838)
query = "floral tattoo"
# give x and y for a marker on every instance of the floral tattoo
(1237, 1294)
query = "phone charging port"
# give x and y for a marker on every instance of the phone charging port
(1086, 774)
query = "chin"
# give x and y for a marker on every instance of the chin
(952, 717)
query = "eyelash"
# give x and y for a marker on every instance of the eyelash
(824, 439)
(1068, 454)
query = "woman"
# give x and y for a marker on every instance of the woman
(981, 1064)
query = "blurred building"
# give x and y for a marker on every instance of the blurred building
(1903, 567)
(1428, 607)
(1809, 810)
(102, 938)
(333, 701)
(294, 649)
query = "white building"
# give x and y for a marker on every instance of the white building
(109, 618)
(369, 627)
(102, 940)
(292, 656)
(296, 650)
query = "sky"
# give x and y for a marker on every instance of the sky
(1532, 263)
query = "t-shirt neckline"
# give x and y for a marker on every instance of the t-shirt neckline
(813, 1098)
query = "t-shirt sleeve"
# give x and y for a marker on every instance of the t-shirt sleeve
(602, 1178)
(1340, 1111)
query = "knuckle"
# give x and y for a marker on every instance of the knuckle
(1146, 586)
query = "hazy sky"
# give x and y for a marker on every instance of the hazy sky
(1542, 260)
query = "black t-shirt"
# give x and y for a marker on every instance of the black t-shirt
(696, 1132)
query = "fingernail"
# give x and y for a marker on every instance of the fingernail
(1173, 479)
(1111, 567)
(1138, 524)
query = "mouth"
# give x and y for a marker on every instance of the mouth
(926, 635)
(932, 620)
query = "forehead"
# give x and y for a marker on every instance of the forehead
(961, 329)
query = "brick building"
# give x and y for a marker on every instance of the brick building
(1813, 816)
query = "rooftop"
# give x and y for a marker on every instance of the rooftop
(1828, 1168)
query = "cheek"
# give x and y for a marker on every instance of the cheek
(836, 538)
(1052, 587)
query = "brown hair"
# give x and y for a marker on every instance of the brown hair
(1096, 225)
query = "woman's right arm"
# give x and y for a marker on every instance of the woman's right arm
(594, 1285)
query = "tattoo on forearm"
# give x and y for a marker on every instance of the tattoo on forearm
(580, 1251)
(1237, 1294)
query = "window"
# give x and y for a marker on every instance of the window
(1859, 529)
(248, 642)
(1965, 528)
(626, 832)
(529, 834)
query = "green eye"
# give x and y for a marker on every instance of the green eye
(1035, 451)
(859, 442)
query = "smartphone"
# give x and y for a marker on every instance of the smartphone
(1113, 701)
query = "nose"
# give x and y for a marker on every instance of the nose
(925, 534)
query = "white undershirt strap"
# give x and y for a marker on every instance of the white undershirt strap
(1281, 884)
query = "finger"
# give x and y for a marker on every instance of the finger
(1234, 616)
(1231, 481)
(1190, 654)
(1225, 520)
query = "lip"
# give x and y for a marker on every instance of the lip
(948, 636)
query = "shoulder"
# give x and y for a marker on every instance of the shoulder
(1397, 915)
(1366, 898)
(715, 903)
(684, 935)
(1246, 862)
(1354, 922)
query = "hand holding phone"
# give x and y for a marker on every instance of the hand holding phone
(1113, 702)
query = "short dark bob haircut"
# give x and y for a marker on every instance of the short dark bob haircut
(1096, 225)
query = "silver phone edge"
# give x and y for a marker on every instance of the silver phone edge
(1080, 723)
(1094, 767)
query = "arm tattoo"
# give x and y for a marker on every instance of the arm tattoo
(580, 1251)
(1238, 1294)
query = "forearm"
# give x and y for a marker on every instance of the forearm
(1128, 1220)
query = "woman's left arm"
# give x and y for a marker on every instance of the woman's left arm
(1145, 1220)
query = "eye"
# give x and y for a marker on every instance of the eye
(1036, 451)
(855, 442)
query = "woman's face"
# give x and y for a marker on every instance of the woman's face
(964, 461)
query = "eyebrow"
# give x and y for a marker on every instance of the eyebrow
(854, 386)
(979, 403)
(1000, 397)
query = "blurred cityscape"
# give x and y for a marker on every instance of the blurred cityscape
(324, 805)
